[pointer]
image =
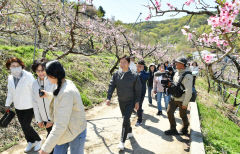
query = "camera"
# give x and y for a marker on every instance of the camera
(167, 78)
(41, 93)
(166, 81)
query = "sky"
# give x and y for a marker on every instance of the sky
(128, 10)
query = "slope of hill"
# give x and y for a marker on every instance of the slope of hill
(171, 29)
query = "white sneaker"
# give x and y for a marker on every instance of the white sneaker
(29, 147)
(37, 145)
(138, 124)
(129, 135)
(121, 146)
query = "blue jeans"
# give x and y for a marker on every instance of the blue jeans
(159, 100)
(150, 94)
(76, 145)
(167, 100)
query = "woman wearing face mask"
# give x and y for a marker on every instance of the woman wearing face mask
(41, 105)
(67, 112)
(20, 93)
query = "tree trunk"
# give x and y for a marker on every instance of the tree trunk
(115, 65)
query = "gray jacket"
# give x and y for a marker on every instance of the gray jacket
(187, 83)
(128, 86)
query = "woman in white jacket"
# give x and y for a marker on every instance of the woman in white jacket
(41, 105)
(67, 112)
(195, 70)
(158, 87)
(20, 93)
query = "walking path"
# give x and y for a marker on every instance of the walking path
(104, 130)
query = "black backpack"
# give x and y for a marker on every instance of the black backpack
(178, 89)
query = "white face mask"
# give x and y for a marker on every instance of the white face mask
(16, 71)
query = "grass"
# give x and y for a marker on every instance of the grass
(9, 145)
(220, 134)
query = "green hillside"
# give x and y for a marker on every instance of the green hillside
(171, 29)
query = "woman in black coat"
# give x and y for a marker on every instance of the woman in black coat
(152, 69)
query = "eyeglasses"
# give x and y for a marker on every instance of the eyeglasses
(40, 71)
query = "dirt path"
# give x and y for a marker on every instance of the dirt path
(104, 129)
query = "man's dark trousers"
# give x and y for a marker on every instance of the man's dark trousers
(173, 105)
(126, 110)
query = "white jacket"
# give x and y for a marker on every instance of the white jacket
(194, 70)
(67, 112)
(41, 105)
(21, 96)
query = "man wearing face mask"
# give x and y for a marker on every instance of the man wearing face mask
(20, 94)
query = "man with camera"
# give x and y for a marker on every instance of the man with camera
(181, 91)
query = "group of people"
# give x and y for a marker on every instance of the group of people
(132, 81)
(55, 102)
(57, 105)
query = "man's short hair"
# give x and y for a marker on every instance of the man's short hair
(125, 57)
(141, 62)
(132, 57)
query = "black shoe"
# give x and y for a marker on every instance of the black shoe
(184, 131)
(171, 132)
(159, 113)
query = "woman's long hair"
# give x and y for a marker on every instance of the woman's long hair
(55, 69)
(155, 68)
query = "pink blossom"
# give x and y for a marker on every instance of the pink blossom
(231, 92)
(189, 36)
(208, 58)
(148, 17)
(225, 43)
(184, 31)
(158, 5)
(221, 23)
(170, 6)
(188, 2)
(226, 17)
